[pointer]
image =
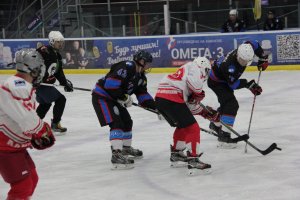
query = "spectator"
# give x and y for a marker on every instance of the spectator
(82, 59)
(233, 24)
(68, 61)
(75, 51)
(272, 22)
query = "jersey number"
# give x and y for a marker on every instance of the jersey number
(177, 75)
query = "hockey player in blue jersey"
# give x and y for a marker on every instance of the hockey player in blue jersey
(224, 78)
(112, 96)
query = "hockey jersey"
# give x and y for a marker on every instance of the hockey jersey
(178, 87)
(53, 62)
(18, 118)
(123, 79)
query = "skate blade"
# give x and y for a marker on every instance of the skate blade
(224, 145)
(178, 164)
(134, 157)
(122, 166)
(195, 171)
(58, 133)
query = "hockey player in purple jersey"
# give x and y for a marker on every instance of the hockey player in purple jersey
(224, 78)
(112, 96)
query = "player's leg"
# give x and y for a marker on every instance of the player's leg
(18, 170)
(108, 114)
(228, 110)
(127, 149)
(48, 95)
(58, 110)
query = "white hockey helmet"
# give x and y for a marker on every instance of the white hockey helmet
(31, 62)
(55, 36)
(245, 54)
(233, 12)
(204, 65)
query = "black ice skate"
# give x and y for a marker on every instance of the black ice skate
(195, 166)
(119, 161)
(132, 153)
(178, 158)
(58, 129)
(225, 141)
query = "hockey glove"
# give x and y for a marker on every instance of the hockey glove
(210, 114)
(263, 63)
(196, 98)
(127, 102)
(44, 138)
(254, 87)
(69, 86)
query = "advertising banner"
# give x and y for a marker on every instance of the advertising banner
(282, 47)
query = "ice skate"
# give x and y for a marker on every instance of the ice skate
(178, 158)
(195, 166)
(58, 129)
(119, 161)
(132, 153)
(224, 139)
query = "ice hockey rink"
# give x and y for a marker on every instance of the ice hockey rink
(78, 166)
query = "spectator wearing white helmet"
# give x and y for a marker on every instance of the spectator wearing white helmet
(177, 99)
(21, 127)
(46, 95)
(233, 23)
(224, 78)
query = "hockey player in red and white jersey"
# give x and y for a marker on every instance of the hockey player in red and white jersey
(20, 126)
(177, 99)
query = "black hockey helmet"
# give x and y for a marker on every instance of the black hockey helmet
(146, 56)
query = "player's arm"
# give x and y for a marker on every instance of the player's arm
(143, 97)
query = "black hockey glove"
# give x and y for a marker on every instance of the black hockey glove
(263, 63)
(254, 87)
(69, 86)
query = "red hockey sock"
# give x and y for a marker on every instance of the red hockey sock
(179, 139)
(192, 138)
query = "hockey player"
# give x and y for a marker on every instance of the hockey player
(112, 96)
(21, 127)
(224, 78)
(177, 99)
(46, 95)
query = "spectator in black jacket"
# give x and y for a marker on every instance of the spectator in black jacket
(233, 24)
(272, 22)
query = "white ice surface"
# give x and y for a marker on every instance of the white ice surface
(78, 166)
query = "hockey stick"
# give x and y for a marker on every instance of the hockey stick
(75, 88)
(271, 148)
(89, 90)
(252, 110)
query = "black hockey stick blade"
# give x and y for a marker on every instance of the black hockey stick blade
(270, 149)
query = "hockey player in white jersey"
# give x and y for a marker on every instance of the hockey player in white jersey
(20, 126)
(178, 98)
